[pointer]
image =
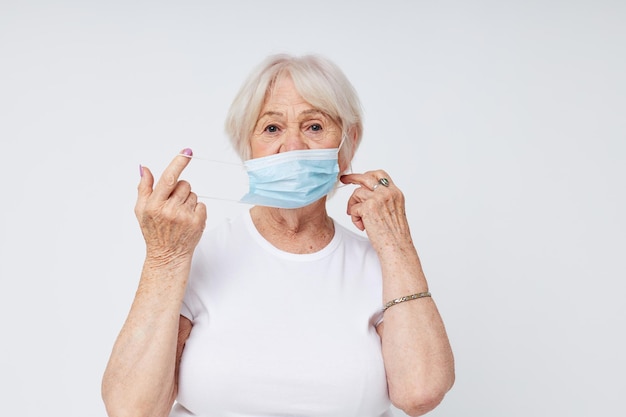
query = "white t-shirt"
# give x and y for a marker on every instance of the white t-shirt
(280, 334)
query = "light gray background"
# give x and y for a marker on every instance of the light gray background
(503, 122)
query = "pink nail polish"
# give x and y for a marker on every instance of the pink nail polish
(187, 152)
(140, 170)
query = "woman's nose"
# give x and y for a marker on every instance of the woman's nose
(293, 140)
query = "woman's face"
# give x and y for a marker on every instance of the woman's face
(287, 123)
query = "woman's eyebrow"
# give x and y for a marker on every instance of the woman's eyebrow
(307, 112)
(270, 113)
(311, 112)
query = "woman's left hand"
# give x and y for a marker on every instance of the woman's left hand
(377, 206)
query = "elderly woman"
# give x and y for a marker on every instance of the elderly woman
(281, 311)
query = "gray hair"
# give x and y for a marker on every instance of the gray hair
(318, 80)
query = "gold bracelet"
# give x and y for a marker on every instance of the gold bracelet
(406, 298)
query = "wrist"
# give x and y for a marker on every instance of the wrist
(159, 259)
(164, 279)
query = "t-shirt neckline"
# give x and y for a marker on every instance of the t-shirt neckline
(305, 257)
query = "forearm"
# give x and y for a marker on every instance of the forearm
(416, 351)
(140, 377)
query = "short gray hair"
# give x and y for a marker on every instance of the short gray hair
(318, 80)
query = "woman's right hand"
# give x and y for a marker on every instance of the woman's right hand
(170, 217)
(141, 377)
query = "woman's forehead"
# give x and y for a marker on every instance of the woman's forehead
(283, 93)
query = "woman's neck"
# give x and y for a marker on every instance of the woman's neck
(305, 230)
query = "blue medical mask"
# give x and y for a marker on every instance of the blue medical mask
(292, 179)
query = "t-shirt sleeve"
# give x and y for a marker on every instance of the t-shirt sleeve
(190, 305)
(185, 311)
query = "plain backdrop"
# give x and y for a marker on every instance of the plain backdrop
(504, 123)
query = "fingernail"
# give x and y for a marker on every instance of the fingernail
(187, 152)
(140, 170)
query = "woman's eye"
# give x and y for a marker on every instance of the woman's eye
(316, 127)
(271, 129)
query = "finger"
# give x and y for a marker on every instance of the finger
(380, 178)
(200, 215)
(364, 181)
(144, 189)
(370, 180)
(356, 218)
(169, 179)
(181, 192)
(192, 200)
(353, 207)
(357, 179)
(358, 222)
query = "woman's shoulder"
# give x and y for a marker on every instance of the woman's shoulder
(222, 233)
(353, 239)
(350, 234)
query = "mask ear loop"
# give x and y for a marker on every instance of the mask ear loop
(237, 164)
(206, 197)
